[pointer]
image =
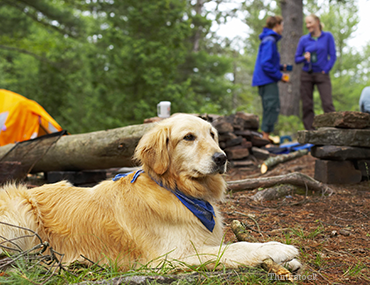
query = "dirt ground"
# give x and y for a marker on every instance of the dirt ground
(332, 232)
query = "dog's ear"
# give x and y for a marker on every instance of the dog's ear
(152, 149)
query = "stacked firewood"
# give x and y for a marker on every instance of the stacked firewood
(239, 138)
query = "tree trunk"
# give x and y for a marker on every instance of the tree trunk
(292, 12)
(197, 36)
(96, 150)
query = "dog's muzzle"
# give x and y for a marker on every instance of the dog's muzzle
(220, 159)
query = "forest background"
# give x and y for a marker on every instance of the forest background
(99, 64)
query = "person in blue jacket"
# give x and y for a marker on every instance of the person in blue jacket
(365, 100)
(317, 52)
(267, 73)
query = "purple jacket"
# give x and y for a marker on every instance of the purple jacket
(324, 47)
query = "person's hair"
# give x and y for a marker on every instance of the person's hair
(272, 21)
(317, 19)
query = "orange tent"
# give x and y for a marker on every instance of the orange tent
(23, 119)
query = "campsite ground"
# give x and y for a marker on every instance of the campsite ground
(332, 232)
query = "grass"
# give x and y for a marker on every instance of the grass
(298, 231)
(27, 273)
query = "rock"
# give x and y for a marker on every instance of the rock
(335, 136)
(222, 126)
(226, 136)
(346, 119)
(242, 163)
(77, 177)
(259, 142)
(245, 121)
(364, 167)
(236, 152)
(336, 172)
(247, 134)
(261, 154)
(234, 142)
(344, 232)
(332, 152)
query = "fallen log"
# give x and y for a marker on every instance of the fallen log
(88, 151)
(272, 161)
(294, 178)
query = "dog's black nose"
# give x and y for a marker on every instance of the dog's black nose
(219, 158)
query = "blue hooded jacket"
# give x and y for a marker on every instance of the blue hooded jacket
(267, 68)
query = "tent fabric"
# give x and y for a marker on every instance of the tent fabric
(23, 119)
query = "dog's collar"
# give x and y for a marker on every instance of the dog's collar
(137, 173)
(203, 210)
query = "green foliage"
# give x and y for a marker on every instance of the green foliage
(104, 64)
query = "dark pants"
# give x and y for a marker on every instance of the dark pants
(271, 106)
(323, 83)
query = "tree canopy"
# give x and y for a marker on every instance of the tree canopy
(98, 64)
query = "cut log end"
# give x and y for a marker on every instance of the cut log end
(264, 168)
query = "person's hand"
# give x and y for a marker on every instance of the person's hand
(323, 72)
(285, 77)
(307, 56)
(284, 67)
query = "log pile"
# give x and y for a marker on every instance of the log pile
(239, 138)
(342, 146)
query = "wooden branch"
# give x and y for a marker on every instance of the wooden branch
(268, 264)
(294, 178)
(272, 161)
(274, 193)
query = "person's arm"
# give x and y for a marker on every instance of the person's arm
(267, 61)
(332, 54)
(299, 54)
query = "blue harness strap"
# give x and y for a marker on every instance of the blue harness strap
(203, 210)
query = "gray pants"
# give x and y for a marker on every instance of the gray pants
(323, 83)
(271, 106)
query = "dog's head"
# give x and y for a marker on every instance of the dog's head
(182, 144)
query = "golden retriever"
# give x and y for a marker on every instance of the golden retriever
(166, 211)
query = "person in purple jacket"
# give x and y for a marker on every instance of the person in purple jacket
(267, 73)
(317, 51)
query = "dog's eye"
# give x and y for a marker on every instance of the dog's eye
(189, 137)
(213, 135)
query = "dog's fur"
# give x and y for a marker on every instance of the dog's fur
(140, 222)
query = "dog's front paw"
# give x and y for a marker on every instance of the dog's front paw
(280, 253)
(293, 265)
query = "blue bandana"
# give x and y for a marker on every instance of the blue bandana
(203, 210)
